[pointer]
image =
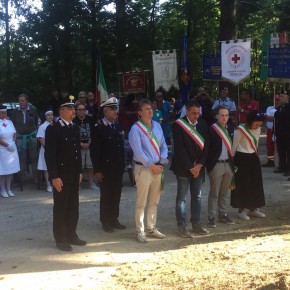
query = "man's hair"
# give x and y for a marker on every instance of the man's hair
(23, 96)
(247, 92)
(143, 102)
(82, 93)
(221, 108)
(79, 104)
(192, 103)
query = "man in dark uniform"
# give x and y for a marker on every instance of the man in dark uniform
(63, 160)
(282, 132)
(107, 154)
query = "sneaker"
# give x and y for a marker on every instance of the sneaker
(211, 222)
(49, 189)
(243, 216)
(183, 232)
(141, 237)
(256, 213)
(10, 193)
(4, 194)
(225, 219)
(93, 186)
(270, 163)
(154, 233)
(199, 229)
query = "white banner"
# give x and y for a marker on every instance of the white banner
(165, 69)
(236, 60)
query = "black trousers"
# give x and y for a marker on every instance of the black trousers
(110, 189)
(283, 148)
(66, 212)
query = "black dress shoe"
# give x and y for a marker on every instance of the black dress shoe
(117, 225)
(108, 228)
(279, 171)
(287, 173)
(270, 163)
(64, 247)
(77, 242)
(289, 178)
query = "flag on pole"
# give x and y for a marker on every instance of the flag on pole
(184, 80)
(101, 88)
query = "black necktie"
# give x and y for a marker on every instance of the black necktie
(70, 125)
(113, 126)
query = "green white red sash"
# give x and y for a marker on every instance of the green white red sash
(192, 132)
(249, 136)
(152, 138)
(224, 135)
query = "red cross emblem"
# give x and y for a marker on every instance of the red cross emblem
(4, 125)
(235, 58)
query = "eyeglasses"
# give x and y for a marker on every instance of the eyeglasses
(81, 109)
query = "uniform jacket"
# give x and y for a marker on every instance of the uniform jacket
(186, 151)
(215, 149)
(282, 121)
(63, 152)
(107, 149)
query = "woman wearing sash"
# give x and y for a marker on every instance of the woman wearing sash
(249, 191)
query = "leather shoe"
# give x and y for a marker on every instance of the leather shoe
(279, 171)
(77, 242)
(64, 247)
(287, 173)
(108, 229)
(118, 226)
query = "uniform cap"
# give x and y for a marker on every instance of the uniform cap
(67, 105)
(112, 102)
(3, 108)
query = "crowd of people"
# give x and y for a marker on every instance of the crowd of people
(210, 136)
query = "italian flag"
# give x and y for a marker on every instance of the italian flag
(101, 89)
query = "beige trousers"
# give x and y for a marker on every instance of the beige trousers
(148, 186)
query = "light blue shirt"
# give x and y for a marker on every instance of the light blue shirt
(228, 103)
(24, 114)
(143, 149)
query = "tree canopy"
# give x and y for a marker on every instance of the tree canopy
(54, 45)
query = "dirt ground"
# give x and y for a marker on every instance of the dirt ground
(251, 254)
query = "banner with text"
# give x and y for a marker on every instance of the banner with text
(279, 64)
(236, 60)
(134, 82)
(165, 69)
(212, 70)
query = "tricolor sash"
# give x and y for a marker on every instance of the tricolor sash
(192, 132)
(224, 135)
(151, 136)
(249, 136)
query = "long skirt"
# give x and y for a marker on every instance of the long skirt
(249, 192)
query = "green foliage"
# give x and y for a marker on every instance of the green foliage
(56, 45)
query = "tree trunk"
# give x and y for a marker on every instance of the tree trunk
(120, 35)
(228, 19)
(8, 52)
(152, 24)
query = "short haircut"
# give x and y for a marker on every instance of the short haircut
(221, 108)
(247, 92)
(23, 96)
(82, 93)
(192, 103)
(143, 102)
(79, 104)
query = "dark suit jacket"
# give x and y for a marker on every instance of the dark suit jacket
(215, 149)
(186, 151)
(107, 149)
(282, 121)
(63, 152)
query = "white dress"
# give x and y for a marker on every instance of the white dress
(9, 161)
(41, 134)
